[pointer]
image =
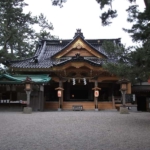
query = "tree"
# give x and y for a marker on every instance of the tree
(45, 28)
(17, 34)
(136, 62)
(132, 63)
(58, 2)
(118, 62)
(14, 28)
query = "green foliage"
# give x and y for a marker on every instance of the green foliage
(140, 30)
(113, 49)
(109, 14)
(17, 34)
(104, 2)
(120, 59)
(131, 63)
(119, 69)
(43, 23)
(58, 2)
(45, 28)
(106, 17)
(141, 60)
(14, 27)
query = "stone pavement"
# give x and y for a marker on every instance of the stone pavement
(75, 130)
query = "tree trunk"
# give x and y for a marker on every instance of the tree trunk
(11, 47)
(147, 3)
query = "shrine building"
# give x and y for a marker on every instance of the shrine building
(65, 73)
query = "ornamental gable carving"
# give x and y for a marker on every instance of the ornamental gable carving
(80, 46)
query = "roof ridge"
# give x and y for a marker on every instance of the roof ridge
(42, 51)
(13, 61)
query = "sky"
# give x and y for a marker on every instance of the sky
(84, 15)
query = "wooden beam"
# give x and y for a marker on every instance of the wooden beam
(77, 65)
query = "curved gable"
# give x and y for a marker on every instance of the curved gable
(79, 45)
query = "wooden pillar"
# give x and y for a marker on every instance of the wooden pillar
(112, 92)
(67, 97)
(61, 98)
(10, 96)
(41, 96)
(113, 101)
(8, 89)
(96, 98)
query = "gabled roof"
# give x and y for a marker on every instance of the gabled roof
(44, 56)
(85, 41)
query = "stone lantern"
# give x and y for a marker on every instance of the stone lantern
(123, 89)
(28, 88)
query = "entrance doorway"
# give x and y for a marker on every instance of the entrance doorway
(78, 92)
(141, 103)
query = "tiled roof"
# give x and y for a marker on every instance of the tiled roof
(48, 48)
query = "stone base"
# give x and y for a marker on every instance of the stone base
(124, 110)
(59, 109)
(133, 109)
(96, 109)
(27, 110)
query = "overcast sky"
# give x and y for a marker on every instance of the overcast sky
(83, 14)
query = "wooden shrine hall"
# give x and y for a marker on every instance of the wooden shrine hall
(66, 73)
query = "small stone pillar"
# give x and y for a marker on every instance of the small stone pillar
(123, 89)
(41, 98)
(28, 88)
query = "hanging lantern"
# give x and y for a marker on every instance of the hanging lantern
(28, 81)
(59, 94)
(123, 86)
(96, 93)
(28, 87)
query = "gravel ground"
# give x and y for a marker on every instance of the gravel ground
(75, 130)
